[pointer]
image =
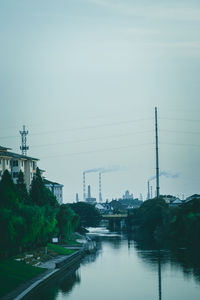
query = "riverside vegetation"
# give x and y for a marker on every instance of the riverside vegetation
(28, 222)
(168, 226)
(30, 219)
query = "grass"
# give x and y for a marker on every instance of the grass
(59, 250)
(13, 273)
(73, 241)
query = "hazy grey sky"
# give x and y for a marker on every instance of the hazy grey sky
(84, 76)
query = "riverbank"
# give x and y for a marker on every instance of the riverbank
(67, 256)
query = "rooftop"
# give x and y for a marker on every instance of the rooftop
(4, 152)
(51, 182)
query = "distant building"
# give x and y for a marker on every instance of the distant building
(195, 196)
(130, 203)
(14, 162)
(176, 202)
(101, 208)
(127, 195)
(172, 200)
(56, 189)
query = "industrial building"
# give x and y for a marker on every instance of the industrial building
(89, 198)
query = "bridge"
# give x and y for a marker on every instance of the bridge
(116, 222)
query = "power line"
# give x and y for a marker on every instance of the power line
(177, 144)
(180, 131)
(97, 151)
(92, 139)
(179, 119)
(82, 128)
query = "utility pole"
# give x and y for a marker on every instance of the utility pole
(24, 147)
(84, 193)
(100, 195)
(157, 159)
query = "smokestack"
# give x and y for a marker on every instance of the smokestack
(89, 192)
(84, 193)
(100, 195)
(77, 199)
(148, 192)
(151, 192)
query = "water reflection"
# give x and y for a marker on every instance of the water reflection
(64, 285)
(122, 267)
(159, 278)
(187, 260)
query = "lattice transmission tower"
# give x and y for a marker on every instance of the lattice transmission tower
(24, 147)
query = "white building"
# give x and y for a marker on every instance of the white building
(14, 162)
(127, 195)
(56, 189)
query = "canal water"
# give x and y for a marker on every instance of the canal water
(121, 269)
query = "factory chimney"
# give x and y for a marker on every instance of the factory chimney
(148, 190)
(151, 192)
(89, 192)
(84, 193)
(77, 199)
(100, 195)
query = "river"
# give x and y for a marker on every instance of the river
(121, 269)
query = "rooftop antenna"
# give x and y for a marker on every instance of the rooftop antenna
(24, 147)
(157, 160)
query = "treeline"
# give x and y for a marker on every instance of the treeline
(29, 219)
(175, 226)
(89, 215)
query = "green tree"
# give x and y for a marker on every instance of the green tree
(150, 219)
(11, 227)
(9, 198)
(39, 194)
(89, 215)
(67, 220)
(184, 226)
(21, 188)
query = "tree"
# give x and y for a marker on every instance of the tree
(39, 194)
(184, 226)
(21, 188)
(150, 219)
(9, 198)
(89, 215)
(67, 220)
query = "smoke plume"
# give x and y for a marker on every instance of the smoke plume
(165, 174)
(103, 170)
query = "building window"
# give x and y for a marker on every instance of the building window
(15, 163)
(0, 161)
(34, 165)
(22, 163)
(7, 162)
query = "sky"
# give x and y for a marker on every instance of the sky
(85, 76)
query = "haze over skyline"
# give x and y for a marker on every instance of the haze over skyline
(84, 76)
